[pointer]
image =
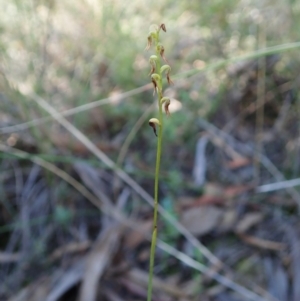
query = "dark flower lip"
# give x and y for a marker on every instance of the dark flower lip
(153, 122)
(149, 43)
(163, 27)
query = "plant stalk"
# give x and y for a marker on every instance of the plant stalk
(157, 169)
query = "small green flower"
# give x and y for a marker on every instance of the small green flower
(167, 69)
(161, 49)
(153, 61)
(153, 122)
(156, 81)
(166, 101)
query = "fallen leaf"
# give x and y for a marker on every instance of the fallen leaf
(238, 162)
(248, 221)
(236, 190)
(262, 243)
(133, 238)
(187, 202)
(201, 220)
(228, 221)
(214, 189)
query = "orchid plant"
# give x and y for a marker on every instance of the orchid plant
(157, 71)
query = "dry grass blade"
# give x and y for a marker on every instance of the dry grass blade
(53, 287)
(292, 236)
(90, 178)
(111, 295)
(57, 171)
(277, 278)
(200, 161)
(9, 257)
(73, 111)
(141, 277)
(97, 261)
(124, 148)
(69, 248)
(262, 243)
(65, 281)
(278, 185)
(212, 274)
(261, 87)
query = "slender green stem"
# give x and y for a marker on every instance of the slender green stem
(157, 168)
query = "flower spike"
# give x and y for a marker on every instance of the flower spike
(156, 74)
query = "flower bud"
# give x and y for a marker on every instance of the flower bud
(166, 101)
(164, 68)
(149, 42)
(153, 59)
(160, 48)
(153, 122)
(167, 69)
(155, 78)
(151, 36)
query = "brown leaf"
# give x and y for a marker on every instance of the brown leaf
(187, 202)
(228, 221)
(133, 238)
(201, 220)
(262, 243)
(236, 190)
(248, 221)
(238, 162)
(214, 189)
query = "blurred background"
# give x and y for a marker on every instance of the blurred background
(77, 156)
